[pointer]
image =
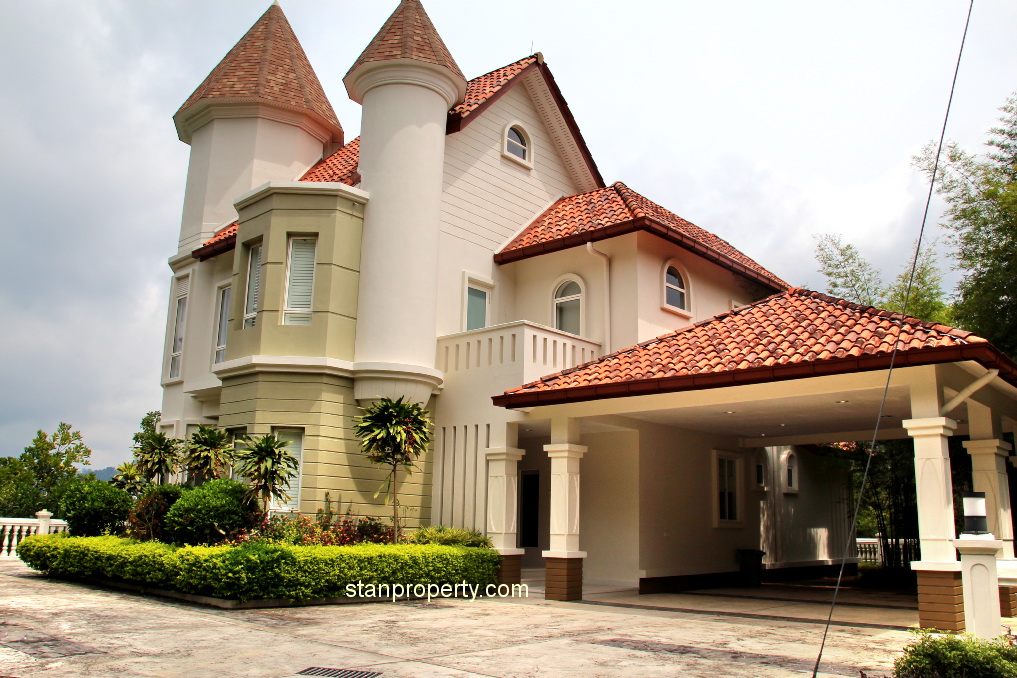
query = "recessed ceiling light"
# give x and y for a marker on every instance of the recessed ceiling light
(729, 412)
(783, 425)
(841, 402)
(762, 435)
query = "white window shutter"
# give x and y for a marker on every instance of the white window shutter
(300, 284)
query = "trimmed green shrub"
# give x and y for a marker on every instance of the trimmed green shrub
(148, 519)
(93, 507)
(947, 656)
(258, 569)
(210, 514)
(449, 536)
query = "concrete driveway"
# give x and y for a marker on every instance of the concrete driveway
(53, 628)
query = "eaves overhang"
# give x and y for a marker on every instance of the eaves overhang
(631, 226)
(984, 354)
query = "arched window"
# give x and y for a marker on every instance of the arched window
(791, 472)
(568, 303)
(515, 143)
(675, 292)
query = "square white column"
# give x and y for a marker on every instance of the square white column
(564, 542)
(933, 487)
(988, 475)
(503, 498)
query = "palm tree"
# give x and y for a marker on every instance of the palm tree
(158, 456)
(209, 454)
(393, 433)
(130, 478)
(267, 466)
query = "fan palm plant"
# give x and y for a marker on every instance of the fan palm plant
(209, 454)
(129, 477)
(393, 433)
(158, 456)
(267, 466)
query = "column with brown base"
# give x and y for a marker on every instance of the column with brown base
(564, 579)
(1008, 601)
(564, 560)
(502, 510)
(941, 600)
(940, 593)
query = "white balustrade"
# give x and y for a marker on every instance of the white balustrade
(535, 350)
(13, 530)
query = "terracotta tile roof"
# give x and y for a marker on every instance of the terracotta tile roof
(790, 335)
(616, 210)
(339, 167)
(481, 89)
(408, 34)
(223, 233)
(268, 64)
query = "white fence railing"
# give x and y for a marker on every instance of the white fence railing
(13, 530)
(869, 550)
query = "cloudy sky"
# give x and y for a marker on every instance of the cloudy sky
(765, 122)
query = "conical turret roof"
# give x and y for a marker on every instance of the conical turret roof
(268, 65)
(409, 34)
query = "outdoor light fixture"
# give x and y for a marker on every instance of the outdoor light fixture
(974, 513)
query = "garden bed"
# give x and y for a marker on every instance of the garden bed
(261, 574)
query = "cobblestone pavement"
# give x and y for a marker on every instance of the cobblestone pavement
(53, 628)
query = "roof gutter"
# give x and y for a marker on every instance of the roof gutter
(607, 293)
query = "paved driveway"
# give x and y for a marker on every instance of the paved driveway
(53, 628)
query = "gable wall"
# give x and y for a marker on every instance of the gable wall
(488, 198)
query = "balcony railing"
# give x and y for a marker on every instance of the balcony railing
(13, 530)
(534, 350)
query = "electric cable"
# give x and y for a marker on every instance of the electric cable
(896, 347)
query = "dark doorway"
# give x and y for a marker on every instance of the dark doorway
(529, 509)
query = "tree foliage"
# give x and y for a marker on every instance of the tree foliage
(130, 478)
(267, 466)
(393, 433)
(40, 476)
(208, 454)
(850, 276)
(981, 197)
(158, 456)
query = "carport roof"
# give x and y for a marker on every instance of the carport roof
(791, 335)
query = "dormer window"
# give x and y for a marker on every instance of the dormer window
(675, 290)
(517, 145)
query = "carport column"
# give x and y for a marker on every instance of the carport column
(940, 596)
(503, 510)
(564, 575)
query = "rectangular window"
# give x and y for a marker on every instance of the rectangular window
(727, 488)
(299, 282)
(295, 438)
(253, 283)
(477, 302)
(183, 286)
(223, 309)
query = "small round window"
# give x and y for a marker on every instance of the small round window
(674, 289)
(515, 143)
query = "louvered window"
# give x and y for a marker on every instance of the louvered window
(253, 284)
(299, 282)
(223, 324)
(182, 287)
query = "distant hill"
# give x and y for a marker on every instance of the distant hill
(101, 473)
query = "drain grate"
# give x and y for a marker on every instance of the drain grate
(337, 673)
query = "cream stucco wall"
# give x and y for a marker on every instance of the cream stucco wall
(231, 155)
(487, 197)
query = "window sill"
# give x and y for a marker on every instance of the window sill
(528, 164)
(677, 311)
(172, 382)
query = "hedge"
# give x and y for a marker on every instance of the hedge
(257, 570)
